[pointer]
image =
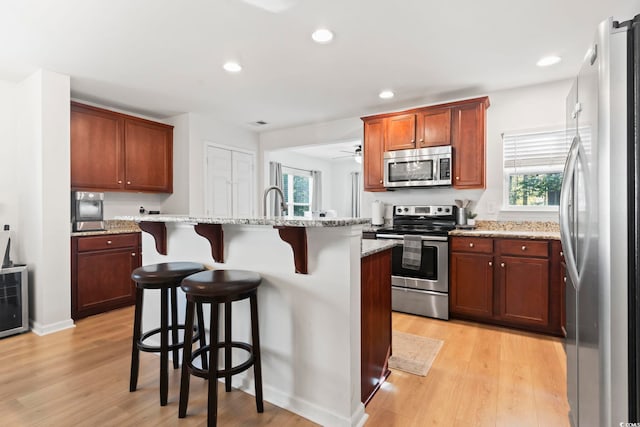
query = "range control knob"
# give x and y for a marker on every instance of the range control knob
(406, 209)
(439, 209)
(447, 210)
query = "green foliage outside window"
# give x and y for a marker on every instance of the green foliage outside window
(542, 189)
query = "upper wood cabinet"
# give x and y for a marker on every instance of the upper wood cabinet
(433, 127)
(460, 124)
(115, 152)
(373, 151)
(401, 132)
(468, 142)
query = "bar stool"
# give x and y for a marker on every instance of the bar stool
(166, 277)
(216, 287)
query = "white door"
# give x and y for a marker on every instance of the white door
(230, 184)
(219, 182)
(242, 178)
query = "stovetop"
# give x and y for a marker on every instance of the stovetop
(422, 220)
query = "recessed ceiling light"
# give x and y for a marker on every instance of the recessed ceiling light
(322, 36)
(386, 94)
(232, 67)
(548, 60)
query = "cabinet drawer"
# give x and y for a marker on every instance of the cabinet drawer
(536, 248)
(472, 244)
(110, 241)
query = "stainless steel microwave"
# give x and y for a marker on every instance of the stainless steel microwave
(422, 167)
(87, 211)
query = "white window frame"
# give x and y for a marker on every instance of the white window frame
(291, 172)
(507, 171)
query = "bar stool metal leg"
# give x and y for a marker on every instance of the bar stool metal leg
(186, 357)
(137, 331)
(164, 346)
(212, 414)
(174, 326)
(255, 342)
(227, 347)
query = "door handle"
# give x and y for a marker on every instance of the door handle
(565, 235)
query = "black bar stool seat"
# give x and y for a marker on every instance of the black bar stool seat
(165, 277)
(220, 287)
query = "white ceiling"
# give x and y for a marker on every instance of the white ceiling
(331, 152)
(164, 57)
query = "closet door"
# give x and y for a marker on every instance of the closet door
(218, 196)
(243, 182)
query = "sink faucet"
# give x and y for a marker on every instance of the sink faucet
(264, 199)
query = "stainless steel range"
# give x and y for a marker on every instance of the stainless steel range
(421, 286)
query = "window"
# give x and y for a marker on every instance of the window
(297, 191)
(533, 166)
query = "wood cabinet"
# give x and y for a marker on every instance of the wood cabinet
(116, 152)
(373, 152)
(510, 282)
(460, 124)
(101, 269)
(375, 324)
(468, 144)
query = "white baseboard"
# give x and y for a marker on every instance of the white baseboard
(40, 329)
(305, 409)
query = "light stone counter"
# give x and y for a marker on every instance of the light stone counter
(112, 226)
(274, 221)
(371, 246)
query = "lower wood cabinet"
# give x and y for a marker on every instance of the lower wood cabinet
(101, 269)
(375, 321)
(511, 282)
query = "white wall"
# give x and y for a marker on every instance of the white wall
(44, 176)
(514, 109)
(178, 202)
(8, 154)
(203, 129)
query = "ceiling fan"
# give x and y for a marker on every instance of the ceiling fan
(356, 153)
(273, 6)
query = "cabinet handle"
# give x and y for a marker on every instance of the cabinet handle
(457, 178)
(502, 264)
(490, 263)
(561, 253)
(470, 245)
(128, 182)
(564, 279)
(413, 140)
(380, 181)
(108, 242)
(119, 181)
(133, 254)
(524, 248)
(421, 139)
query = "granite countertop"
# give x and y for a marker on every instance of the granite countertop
(111, 227)
(512, 229)
(288, 222)
(371, 246)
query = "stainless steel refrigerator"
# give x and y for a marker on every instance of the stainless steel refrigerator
(600, 230)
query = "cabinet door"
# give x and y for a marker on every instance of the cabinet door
(148, 156)
(523, 290)
(96, 150)
(471, 290)
(468, 141)
(103, 280)
(373, 155)
(401, 132)
(434, 127)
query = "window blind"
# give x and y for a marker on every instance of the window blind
(536, 149)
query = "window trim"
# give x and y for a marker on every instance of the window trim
(291, 171)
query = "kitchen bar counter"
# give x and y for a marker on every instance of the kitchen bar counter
(111, 227)
(370, 246)
(310, 318)
(273, 221)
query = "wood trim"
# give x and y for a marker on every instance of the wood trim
(297, 238)
(482, 100)
(159, 232)
(214, 234)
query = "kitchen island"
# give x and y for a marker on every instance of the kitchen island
(309, 302)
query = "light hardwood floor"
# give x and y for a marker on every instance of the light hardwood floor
(79, 377)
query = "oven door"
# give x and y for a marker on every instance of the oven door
(433, 274)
